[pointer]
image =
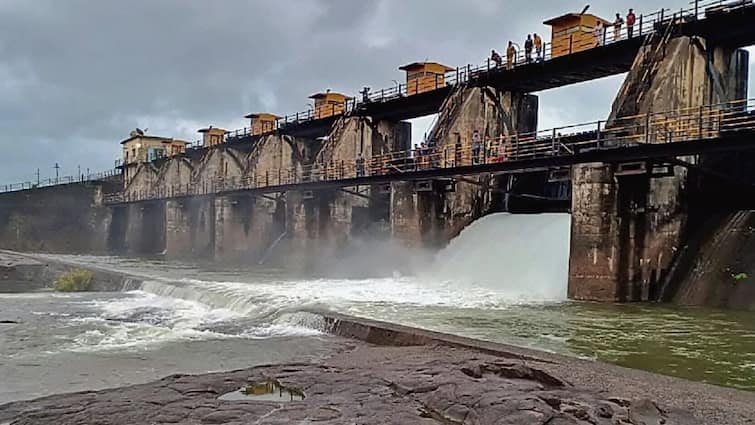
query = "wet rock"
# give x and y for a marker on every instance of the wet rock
(325, 413)
(371, 385)
(474, 372)
(456, 413)
(603, 411)
(223, 416)
(168, 418)
(646, 412)
(521, 371)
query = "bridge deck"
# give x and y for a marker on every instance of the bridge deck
(660, 136)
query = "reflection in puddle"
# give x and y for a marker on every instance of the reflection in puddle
(264, 391)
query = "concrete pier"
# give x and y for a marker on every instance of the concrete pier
(432, 212)
(627, 227)
(322, 223)
(145, 228)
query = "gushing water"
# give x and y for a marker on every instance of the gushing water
(504, 278)
(524, 258)
(499, 261)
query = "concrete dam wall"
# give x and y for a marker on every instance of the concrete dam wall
(63, 219)
(628, 230)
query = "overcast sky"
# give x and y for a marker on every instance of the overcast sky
(77, 75)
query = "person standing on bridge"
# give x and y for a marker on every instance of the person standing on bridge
(538, 48)
(510, 55)
(425, 151)
(600, 34)
(360, 165)
(631, 19)
(617, 27)
(476, 146)
(528, 48)
(495, 57)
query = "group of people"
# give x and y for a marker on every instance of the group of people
(491, 149)
(618, 24)
(533, 43)
(424, 156)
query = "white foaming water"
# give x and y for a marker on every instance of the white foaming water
(144, 319)
(498, 261)
(523, 258)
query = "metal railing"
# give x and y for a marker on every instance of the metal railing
(645, 25)
(54, 181)
(703, 122)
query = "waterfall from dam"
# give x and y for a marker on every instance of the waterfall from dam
(501, 279)
(499, 261)
(522, 257)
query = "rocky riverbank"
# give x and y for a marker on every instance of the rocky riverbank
(443, 380)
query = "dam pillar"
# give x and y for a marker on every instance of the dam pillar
(628, 227)
(416, 215)
(177, 229)
(145, 228)
(326, 222)
(453, 205)
(190, 227)
(247, 226)
(493, 113)
(116, 237)
(233, 219)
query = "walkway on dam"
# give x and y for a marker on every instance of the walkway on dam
(726, 23)
(660, 136)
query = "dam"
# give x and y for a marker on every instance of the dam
(496, 270)
(647, 187)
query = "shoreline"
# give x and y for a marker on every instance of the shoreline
(407, 375)
(386, 352)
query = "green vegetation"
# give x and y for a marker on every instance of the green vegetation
(740, 277)
(77, 280)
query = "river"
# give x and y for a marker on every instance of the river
(503, 279)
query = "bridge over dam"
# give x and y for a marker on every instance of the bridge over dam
(650, 188)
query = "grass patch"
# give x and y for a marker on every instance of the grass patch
(77, 280)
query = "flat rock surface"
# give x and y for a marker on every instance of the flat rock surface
(368, 384)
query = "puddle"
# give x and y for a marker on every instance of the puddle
(264, 391)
